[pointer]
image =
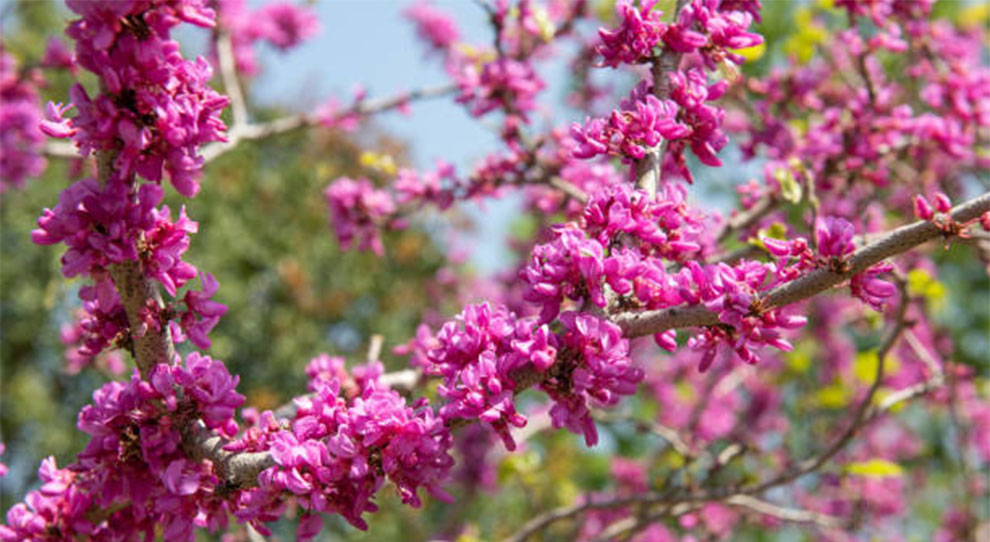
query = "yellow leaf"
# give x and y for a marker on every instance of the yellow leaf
(865, 366)
(566, 490)
(753, 53)
(875, 468)
(834, 396)
(809, 34)
(381, 162)
(544, 23)
(672, 458)
(921, 283)
(790, 188)
(685, 392)
(799, 360)
(973, 16)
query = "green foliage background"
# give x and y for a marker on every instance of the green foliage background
(292, 293)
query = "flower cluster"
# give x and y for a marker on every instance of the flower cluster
(504, 84)
(20, 137)
(201, 315)
(581, 260)
(99, 324)
(644, 121)
(488, 354)
(154, 111)
(677, 111)
(358, 210)
(641, 123)
(710, 27)
(713, 28)
(339, 451)
(853, 138)
(478, 355)
(593, 367)
(133, 477)
(433, 25)
(282, 24)
(732, 292)
(157, 107)
(502, 78)
(633, 42)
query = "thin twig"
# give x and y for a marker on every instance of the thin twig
(861, 415)
(61, 149)
(747, 218)
(255, 131)
(648, 170)
(231, 84)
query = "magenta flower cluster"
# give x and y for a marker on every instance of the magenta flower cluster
(154, 111)
(341, 446)
(504, 84)
(709, 27)
(483, 354)
(99, 324)
(157, 107)
(642, 122)
(282, 24)
(476, 355)
(582, 259)
(358, 210)
(593, 368)
(677, 114)
(433, 25)
(20, 137)
(133, 478)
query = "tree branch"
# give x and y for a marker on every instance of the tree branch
(649, 322)
(61, 149)
(747, 218)
(862, 414)
(247, 131)
(647, 170)
(231, 84)
(138, 294)
(637, 324)
(235, 469)
(791, 515)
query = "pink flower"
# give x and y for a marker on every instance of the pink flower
(638, 33)
(284, 24)
(432, 25)
(835, 237)
(358, 210)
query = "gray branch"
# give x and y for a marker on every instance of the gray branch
(638, 324)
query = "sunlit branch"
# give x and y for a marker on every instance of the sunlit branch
(637, 324)
(231, 84)
(647, 170)
(747, 218)
(862, 413)
(255, 131)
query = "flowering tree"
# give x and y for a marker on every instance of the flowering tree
(630, 305)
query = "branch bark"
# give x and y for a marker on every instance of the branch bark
(638, 324)
(138, 294)
(249, 131)
(647, 170)
(649, 322)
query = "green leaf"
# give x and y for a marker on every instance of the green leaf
(790, 188)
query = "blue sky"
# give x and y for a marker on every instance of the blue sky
(369, 42)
